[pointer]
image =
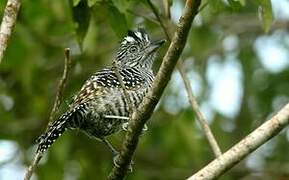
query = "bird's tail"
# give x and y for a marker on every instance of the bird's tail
(70, 119)
(54, 131)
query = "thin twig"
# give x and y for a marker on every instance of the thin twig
(250, 143)
(131, 108)
(33, 166)
(203, 6)
(8, 23)
(145, 110)
(62, 84)
(59, 96)
(167, 11)
(200, 117)
(156, 13)
(143, 16)
(126, 95)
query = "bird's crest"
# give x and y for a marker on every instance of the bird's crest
(136, 36)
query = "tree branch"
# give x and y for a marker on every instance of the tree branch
(200, 117)
(32, 167)
(144, 112)
(143, 16)
(167, 9)
(61, 84)
(250, 143)
(8, 22)
(59, 96)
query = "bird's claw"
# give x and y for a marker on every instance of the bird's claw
(144, 129)
(115, 159)
(125, 127)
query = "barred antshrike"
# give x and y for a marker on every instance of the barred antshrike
(101, 108)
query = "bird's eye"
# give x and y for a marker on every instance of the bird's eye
(133, 49)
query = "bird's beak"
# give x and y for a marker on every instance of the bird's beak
(155, 45)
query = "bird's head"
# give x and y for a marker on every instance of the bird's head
(137, 49)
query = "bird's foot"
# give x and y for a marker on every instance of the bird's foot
(144, 129)
(115, 154)
(115, 159)
(125, 127)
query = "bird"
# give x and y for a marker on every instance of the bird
(101, 107)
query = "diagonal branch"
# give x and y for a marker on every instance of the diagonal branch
(8, 23)
(200, 117)
(142, 15)
(144, 112)
(59, 96)
(250, 143)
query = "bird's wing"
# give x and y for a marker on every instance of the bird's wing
(100, 83)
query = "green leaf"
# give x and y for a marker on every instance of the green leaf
(81, 16)
(117, 20)
(216, 5)
(235, 5)
(75, 2)
(265, 13)
(243, 2)
(92, 2)
(121, 5)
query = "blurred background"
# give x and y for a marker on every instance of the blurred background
(237, 58)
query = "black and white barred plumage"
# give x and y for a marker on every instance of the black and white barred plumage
(101, 98)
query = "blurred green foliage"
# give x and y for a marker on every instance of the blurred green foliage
(174, 146)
